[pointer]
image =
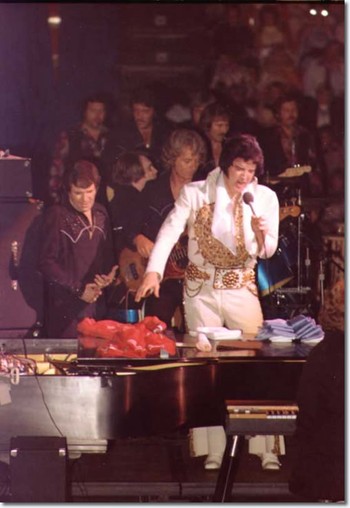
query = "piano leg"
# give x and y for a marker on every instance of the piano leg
(228, 469)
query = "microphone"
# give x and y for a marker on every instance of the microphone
(248, 199)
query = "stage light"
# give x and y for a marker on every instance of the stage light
(324, 13)
(313, 12)
(54, 20)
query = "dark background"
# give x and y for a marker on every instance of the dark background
(102, 47)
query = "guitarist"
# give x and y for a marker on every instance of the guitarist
(127, 207)
(182, 154)
(131, 172)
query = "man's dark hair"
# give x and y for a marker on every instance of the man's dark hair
(127, 169)
(289, 97)
(242, 146)
(210, 112)
(97, 97)
(83, 174)
(143, 95)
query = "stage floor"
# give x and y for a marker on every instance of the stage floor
(161, 470)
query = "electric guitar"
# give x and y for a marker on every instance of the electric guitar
(132, 266)
(286, 211)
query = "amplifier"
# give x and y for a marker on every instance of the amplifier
(38, 469)
(15, 177)
(21, 285)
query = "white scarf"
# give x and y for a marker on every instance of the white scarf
(223, 226)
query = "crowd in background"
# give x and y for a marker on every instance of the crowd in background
(278, 78)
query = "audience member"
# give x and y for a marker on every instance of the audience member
(265, 107)
(333, 215)
(146, 130)
(315, 33)
(322, 110)
(270, 30)
(288, 144)
(226, 73)
(200, 99)
(295, 15)
(241, 109)
(280, 65)
(90, 140)
(179, 111)
(233, 35)
(215, 125)
(332, 154)
(324, 67)
(76, 255)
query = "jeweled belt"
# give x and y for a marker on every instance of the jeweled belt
(224, 278)
(233, 278)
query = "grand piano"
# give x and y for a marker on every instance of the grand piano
(90, 401)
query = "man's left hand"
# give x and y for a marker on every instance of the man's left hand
(102, 281)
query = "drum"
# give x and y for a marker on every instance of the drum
(276, 271)
(288, 244)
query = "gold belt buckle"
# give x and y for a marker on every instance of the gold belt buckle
(227, 278)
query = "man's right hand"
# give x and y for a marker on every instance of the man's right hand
(91, 293)
(143, 245)
(150, 285)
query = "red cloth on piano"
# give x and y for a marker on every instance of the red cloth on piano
(114, 339)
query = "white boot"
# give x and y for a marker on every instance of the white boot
(268, 448)
(216, 447)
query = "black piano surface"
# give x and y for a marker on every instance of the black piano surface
(94, 399)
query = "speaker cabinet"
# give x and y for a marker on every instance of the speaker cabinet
(38, 469)
(21, 285)
(15, 177)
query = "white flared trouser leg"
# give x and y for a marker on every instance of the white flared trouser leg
(260, 445)
(207, 441)
(216, 441)
(198, 441)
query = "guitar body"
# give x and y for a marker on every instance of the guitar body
(132, 267)
(292, 211)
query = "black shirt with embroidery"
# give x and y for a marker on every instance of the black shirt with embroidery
(72, 252)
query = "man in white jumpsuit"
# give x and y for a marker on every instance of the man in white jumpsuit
(225, 238)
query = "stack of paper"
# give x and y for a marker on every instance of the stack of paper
(276, 330)
(219, 333)
(298, 328)
(306, 328)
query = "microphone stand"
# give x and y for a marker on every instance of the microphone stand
(300, 218)
(321, 278)
(307, 265)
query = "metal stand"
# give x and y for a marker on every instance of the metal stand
(300, 218)
(321, 278)
(300, 289)
(228, 470)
